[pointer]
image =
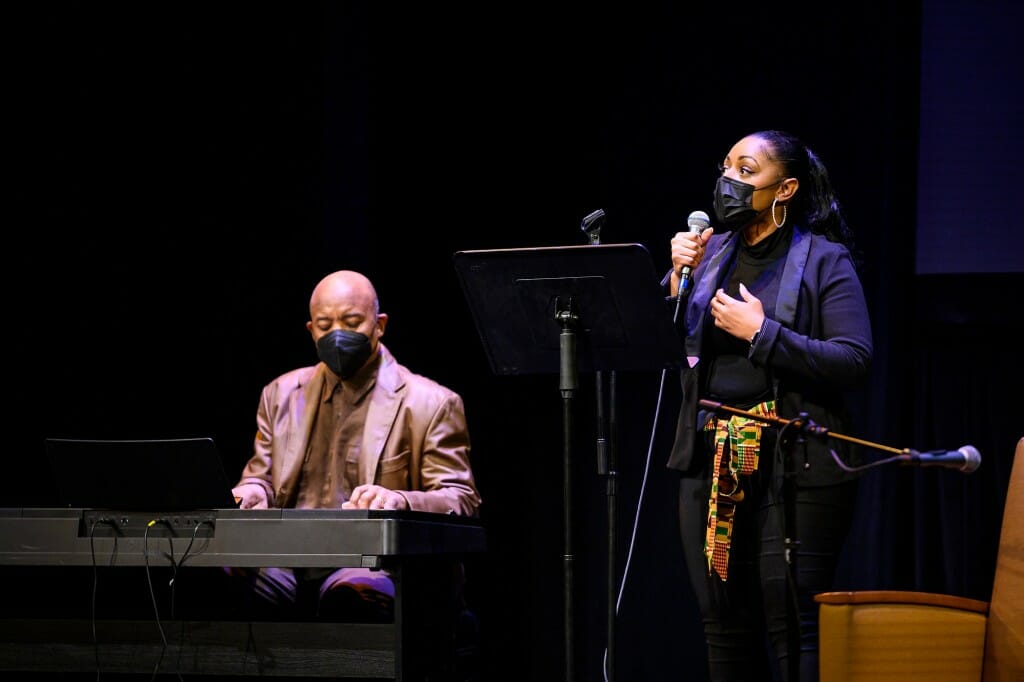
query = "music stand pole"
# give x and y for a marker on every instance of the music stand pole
(567, 383)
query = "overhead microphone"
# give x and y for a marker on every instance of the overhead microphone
(697, 222)
(592, 225)
(966, 459)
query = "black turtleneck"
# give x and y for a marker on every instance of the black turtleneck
(729, 376)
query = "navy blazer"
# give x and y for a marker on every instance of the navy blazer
(817, 347)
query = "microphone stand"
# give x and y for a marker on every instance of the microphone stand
(805, 425)
(606, 437)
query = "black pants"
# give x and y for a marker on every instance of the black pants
(762, 623)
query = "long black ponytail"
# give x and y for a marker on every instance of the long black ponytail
(815, 204)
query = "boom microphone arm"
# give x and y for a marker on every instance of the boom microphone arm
(965, 459)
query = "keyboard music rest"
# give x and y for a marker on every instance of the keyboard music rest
(409, 544)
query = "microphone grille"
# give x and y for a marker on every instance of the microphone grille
(972, 458)
(698, 221)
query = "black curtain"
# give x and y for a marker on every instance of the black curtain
(186, 174)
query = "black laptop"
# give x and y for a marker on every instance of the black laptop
(181, 474)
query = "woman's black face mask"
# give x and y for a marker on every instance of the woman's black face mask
(734, 202)
(343, 351)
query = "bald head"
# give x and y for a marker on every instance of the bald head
(345, 300)
(347, 285)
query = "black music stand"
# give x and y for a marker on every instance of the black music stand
(568, 309)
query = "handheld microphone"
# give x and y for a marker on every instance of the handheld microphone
(697, 222)
(592, 225)
(966, 459)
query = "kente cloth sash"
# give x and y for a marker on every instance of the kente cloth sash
(737, 452)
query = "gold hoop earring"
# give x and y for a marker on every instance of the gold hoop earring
(784, 213)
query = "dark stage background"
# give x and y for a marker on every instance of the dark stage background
(186, 172)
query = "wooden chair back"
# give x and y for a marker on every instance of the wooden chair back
(1004, 636)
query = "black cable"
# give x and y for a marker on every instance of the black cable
(639, 506)
(195, 534)
(95, 586)
(173, 584)
(152, 593)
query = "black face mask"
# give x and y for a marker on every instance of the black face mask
(343, 352)
(734, 202)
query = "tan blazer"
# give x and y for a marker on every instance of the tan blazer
(415, 440)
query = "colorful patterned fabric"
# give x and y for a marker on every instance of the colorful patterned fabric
(737, 452)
